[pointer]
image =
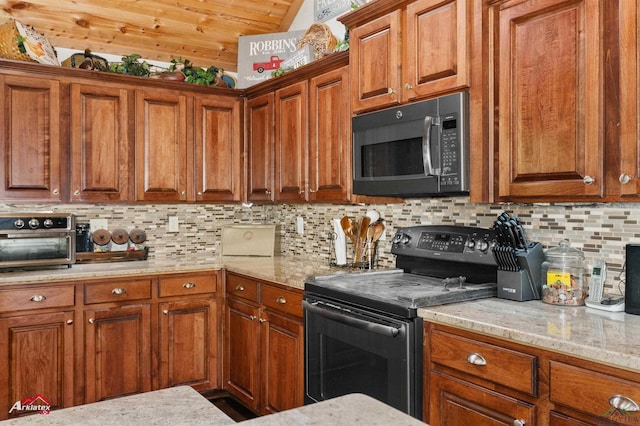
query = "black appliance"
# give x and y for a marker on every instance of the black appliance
(84, 242)
(37, 240)
(632, 279)
(415, 150)
(362, 332)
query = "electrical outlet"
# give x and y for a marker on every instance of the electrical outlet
(300, 225)
(174, 226)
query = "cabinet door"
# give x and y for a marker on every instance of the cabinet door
(36, 360)
(282, 363)
(259, 123)
(549, 90)
(374, 62)
(30, 138)
(291, 142)
(100, 147)
(241, 340)
(117, 352)
(188, 349)
(457, 403)
(161, 146)
(329, 137)
(436, 48)
(218, 149)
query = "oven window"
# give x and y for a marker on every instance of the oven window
(19, 249)
(349, 369)
(395, 158)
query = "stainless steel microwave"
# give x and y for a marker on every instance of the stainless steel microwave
(412, 151)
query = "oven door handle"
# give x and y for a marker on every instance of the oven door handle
(19, 236)
(344, 317)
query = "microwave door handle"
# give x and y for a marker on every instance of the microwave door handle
(429, 170)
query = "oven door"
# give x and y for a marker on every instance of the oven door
(350, 350)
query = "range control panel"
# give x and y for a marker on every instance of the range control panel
(456, 243)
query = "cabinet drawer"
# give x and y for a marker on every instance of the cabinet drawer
(117, 291)
(36, 297)
(592, 392)
(185, 285)
(282, 300)
(242, 287)
(515, 370)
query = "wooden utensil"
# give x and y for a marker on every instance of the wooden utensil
(347, 227)
(363, 228)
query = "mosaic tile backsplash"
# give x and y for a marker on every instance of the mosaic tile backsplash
(599, 230)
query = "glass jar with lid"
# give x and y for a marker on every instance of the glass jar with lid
(563, 275)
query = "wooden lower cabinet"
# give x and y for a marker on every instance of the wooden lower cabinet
(117, 352)
(36, 359)
(473, 379)
(188, 344)
(263, 345)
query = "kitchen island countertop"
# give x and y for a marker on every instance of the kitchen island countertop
(607, 337)
(184, 406)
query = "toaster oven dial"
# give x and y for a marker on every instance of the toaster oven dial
(34, 223)
(19, 223)
(48, 223)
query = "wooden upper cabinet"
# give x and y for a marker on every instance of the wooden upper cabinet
(30, 138)
(161, 146)
(259, 124)
(100, 144)
(329, 137)
(374, 62)
(291, 127)
(409, 53)
(437, 48)
(549, 85)
(218, 149)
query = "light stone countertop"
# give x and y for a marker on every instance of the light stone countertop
(289, 271)
(172, 406)
(611, 338)
(185, 406)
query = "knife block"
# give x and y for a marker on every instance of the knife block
(524, 284)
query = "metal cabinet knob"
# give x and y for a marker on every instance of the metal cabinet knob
(91, 320)
(56, 191)
(183, 193)
(312, 190)
(69, 321)
(281, 300)
(390, 91)
(38, 298)
(199, 193)
(476, 359)
(624, 178)
(623, 403)
(408, 86)
(189, 285)
(262, 320)
(165, 312)
(588, 180)
(76, 192)
(519, 422)
(266, 191)
(240, 287)
(118, 290)
(252, 317)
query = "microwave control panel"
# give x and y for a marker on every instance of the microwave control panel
(450, 151)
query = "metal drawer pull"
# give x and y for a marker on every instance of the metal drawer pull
(189, 285)
(38, 298)
(281, 300)
(623, 403)
(476, 359)
(118, 290)
(240, 287)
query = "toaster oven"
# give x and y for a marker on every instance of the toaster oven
(30, 240)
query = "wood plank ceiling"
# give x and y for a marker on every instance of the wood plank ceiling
(204, 31)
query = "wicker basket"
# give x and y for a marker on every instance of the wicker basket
(9, 43)
(86, 60)
(320, 37)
